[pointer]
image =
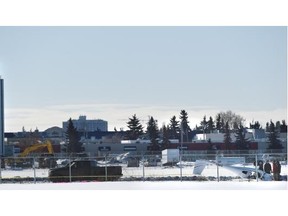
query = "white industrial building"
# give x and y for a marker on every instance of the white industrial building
(84, 125)
(217, 137)
(253, 135)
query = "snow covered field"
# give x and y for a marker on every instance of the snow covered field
(151, 185)
(143, 197)
(147, 172)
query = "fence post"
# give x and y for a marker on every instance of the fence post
(34, 170)
(0, 170)
(143, 168)
(181, 150)
(181, 164)
(256, 164)
(218, 179)
(70, 178)
(105, 167)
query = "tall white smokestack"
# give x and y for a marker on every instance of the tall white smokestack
(1, 117)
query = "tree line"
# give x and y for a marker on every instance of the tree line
(226, 122)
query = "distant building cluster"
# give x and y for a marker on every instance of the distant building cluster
(17, 142)
(97, 142)
(84, 125)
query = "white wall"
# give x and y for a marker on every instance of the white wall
(218, 137)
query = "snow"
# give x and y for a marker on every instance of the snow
(143, 197)
(151, 185)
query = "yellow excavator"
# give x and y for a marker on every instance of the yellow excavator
(36, 147)
(45, 159)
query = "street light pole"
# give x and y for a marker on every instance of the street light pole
(181, 147)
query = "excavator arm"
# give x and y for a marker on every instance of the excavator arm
(37, 146)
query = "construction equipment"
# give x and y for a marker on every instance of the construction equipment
(45, 160)
(36, 147)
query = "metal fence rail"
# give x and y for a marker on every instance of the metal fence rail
(138, 167)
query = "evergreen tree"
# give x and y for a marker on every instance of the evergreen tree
(283, 127)
(73, 144)
(255, 125)
(274, 142)
(210, 125)
(184, 125)
(174, 128)
(241, 142)
(278, 126)
(218, 123)
(222, 130)
(267, 127)
(135, 128)
(153, 133)
(165, 137)
(227, 137)
(204, 124)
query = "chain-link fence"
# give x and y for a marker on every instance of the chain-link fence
(164, 166)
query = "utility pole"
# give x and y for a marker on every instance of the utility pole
(181, 147)
(2, 152)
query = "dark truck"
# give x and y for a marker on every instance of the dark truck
(85, 170)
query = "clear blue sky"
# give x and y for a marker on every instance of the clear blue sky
(54, 73)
